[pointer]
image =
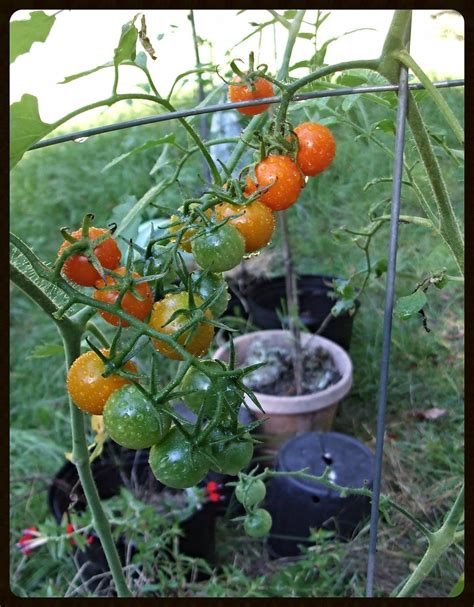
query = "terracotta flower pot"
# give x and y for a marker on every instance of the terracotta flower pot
(291, 415)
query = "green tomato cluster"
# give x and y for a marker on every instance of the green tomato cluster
(250, 493)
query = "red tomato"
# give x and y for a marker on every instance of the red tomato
(129, 304)
(316, 147)
(286, 178)
(263, 88)
(79, 269)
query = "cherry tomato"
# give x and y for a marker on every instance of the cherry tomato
(205, 391)
(237, 93)
(286, 178)
(256, 222)
(132, 421)
(251, 493)
(79, 269)
(220, 250)
(196, 340)
(184, 242)
(316, 147)
(86, 386)
(176, 463)
(258, 523)
(129, 303)
(232, 455)
(205, 284)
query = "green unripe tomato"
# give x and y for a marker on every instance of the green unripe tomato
(232, 455)
(207, 284)
(176, 463)
(220, 250)
(258, 523)
(132, 421)
(251, 493)
(204, 390)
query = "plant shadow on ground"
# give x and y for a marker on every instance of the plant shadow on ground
(424, 459)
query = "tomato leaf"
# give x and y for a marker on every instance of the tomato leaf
(126, 49)
(408, 306)
(151, 143)
(24, 33)
(26, 127)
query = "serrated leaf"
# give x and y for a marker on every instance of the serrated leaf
(46, 350)
(26, 127)
(406, 307)
(126, 49)
(24, 33)
(151, 143)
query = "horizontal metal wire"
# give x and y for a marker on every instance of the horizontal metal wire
(230, 106)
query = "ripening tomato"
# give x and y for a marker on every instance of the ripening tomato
(79, 269)
(184, 242)
(219, 250)
(241, 92)
(132, 421)
(195, 340)
(176, 463)
(86, 386)
(129, 303)
(316, 147)
(256, 222)
(284, 177)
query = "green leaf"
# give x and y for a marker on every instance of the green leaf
(151, 143)
(47, 350)
(407, 307)
(24, 33)
(86, 72)
(387, 125)
(127, 46)
(342, 306)
(306, 36)
(458, 587)
(26, 127)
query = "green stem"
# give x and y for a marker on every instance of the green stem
(440, 541)
(449, 227)
(437, 97)
(80, 455)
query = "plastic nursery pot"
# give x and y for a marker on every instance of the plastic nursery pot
(296, 504)
(118, 467)
(286, 416)
(264, 301)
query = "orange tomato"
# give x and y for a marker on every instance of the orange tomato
(284, 177)
(256, 222)
(316, 147)
(237, 93)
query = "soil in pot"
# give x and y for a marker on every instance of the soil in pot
(277, 376)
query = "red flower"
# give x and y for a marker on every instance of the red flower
(214, 497)
(30, 539)
(212, 487)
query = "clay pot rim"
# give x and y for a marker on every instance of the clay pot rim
(307, 403)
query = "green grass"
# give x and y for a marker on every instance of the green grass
(424, 460)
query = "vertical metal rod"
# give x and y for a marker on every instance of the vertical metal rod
(387, 327)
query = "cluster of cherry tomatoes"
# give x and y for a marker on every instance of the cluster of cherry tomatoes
(240, 222)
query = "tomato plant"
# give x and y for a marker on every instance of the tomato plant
(316, 147)
(131, 304)
(284, 178)
(78, 267)
(220, 249)
(87, 386)
(255, 222)
(196, 340)
(258, 89)
(132, 421)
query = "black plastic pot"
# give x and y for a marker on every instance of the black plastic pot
(115, 468)
(264, 301)
(296, 504)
